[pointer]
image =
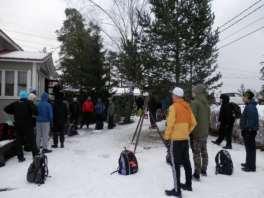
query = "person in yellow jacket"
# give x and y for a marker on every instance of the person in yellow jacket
(180, 123)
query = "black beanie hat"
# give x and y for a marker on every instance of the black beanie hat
(249, 94)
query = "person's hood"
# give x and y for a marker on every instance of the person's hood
(225, 98)
(202, 98)
(199, 89)
(45, 97)
(23, 95)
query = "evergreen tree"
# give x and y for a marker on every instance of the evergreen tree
(184, 42)
(82, 55)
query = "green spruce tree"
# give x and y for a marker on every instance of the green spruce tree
(82, 55)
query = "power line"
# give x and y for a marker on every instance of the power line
(244, 27)
(30, 34)
(239, 20)
(240, 38)
(242, 12)
(35, 43)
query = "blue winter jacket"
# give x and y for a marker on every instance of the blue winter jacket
(45, 113)
(250, 118)
(99, 108)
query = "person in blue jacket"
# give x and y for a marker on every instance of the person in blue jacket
(249, 124)
(44, 120)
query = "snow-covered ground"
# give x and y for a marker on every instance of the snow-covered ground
(82, 170)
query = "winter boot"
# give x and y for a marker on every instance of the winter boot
(54, 146)
(20, 160)
(203, 173)
(62, 145)
(186, 187)
(196, 177)
(215, 142)
(243, 165)
(245, 169)
(227, 147)
(173, 193)
(46, 151)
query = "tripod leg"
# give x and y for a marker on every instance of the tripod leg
(138, 135)
(136, 131)
(159, 133)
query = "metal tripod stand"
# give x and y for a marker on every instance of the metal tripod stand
(137, 133)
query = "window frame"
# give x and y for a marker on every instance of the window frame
(3, 83)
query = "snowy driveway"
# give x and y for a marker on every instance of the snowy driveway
(82, 170)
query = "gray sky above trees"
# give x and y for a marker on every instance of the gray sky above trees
(32, 24)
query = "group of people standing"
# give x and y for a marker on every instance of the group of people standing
(188, 124)
(99, 110)
(35, 121)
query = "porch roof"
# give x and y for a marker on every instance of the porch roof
(24, 56)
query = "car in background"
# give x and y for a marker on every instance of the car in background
(234, 97)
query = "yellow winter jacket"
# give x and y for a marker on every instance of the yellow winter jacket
(180, 121)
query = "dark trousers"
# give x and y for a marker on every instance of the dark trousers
(225, 132)
(179, 151)
(87, 119)
(99, 121)
(58, 133)
(22, 133)
(153, 118)
(250, 145)
(111, 123)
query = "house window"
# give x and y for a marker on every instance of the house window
(9, 83)
(21, 81)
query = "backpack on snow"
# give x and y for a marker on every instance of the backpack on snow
(72, 130)
(38, 170)
(236, 110)
(128, 164)
(224, 164)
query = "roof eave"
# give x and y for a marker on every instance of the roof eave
(11, 41)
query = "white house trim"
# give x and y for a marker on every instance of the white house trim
(15, 83)
(29, 85)
(34, 76)
(2, 83)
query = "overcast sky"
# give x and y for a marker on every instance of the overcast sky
(32, 24)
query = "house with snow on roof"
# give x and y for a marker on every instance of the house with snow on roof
(21, 70)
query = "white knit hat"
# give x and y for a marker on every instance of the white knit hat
(32, 97)
(178, 92)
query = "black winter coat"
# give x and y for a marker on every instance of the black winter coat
(60, 113)
(75, 110)
(226, 116)
(23, 112)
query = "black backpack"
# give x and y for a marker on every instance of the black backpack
(236, 110)
(38, 170)
(72, 130)
(224, 164)
(128, 164)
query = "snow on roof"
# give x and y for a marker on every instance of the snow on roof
(24, 55)
(120, 91)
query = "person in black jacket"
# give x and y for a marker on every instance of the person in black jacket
(227, 120)
(60, 115)
(75, 111)
(23, 112)
(249, 124)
